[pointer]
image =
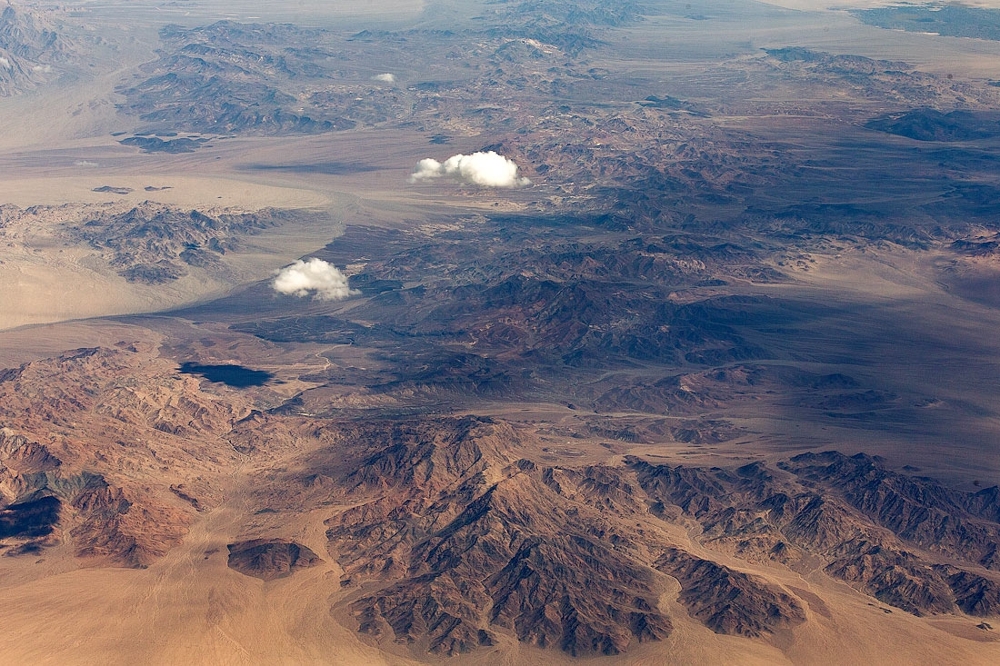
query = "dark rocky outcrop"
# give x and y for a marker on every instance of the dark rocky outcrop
(154, 243)
(933, 125)
(476, 543)
(728, 601)
(269, 559)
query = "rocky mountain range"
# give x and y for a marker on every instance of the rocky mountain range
(33, 49)
(713, 379)
(450, 537)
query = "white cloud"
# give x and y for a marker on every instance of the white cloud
(386, 78)
(485, 169)
(85, 163)
(5, 63)
(314, 275)
(42, 68)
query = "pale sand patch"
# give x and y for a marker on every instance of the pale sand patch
(188, 609)
(305, 12)
(48, 291)
(43, 291)
(35, 342)
(304, 9)
(181, 190)
(44, 279)
(51, 290)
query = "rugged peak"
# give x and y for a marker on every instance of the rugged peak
(25, 457)
(729, 601)
(27, 35)
(471, 557)
(430, 455)
(29, 46)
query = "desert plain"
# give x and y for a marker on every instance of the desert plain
(713, 379)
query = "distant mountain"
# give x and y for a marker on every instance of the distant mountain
(154, 243)
(933, 125)
(230, 77)
(30, 47)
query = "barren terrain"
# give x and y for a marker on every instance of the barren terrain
(718, 385)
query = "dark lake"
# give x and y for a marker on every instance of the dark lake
(230, 375)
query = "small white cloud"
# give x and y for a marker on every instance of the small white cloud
(5, 63)
(46, 69)
(316, 276)
(85, 163)
(386, 78)
(484, 169)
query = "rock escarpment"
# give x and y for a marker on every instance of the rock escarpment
(269, 559)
